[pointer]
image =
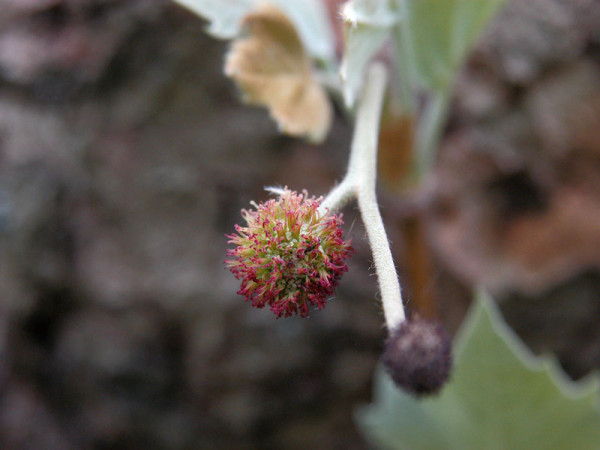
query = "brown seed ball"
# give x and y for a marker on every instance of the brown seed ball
(418, 356)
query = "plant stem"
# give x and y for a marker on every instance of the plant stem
(338, 197)
(405, 58)
(429, 130)
(360, 182)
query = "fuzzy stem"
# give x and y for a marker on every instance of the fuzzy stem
(360, 182)
(338, 197)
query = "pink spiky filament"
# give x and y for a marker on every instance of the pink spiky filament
(288, 256)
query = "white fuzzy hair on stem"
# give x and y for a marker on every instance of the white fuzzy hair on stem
(360, 182)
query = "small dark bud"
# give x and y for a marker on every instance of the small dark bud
(418, 356)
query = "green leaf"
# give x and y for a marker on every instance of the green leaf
(308, 16)
(500, 397)
(441, 32)
(368, 24)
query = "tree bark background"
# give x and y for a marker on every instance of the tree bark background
(125, 156)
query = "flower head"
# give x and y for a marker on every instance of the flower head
(289, 256)
(418, 356)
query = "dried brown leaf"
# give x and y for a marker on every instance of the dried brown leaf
(272, 69)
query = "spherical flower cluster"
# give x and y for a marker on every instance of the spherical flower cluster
(418, 356)
(288, 256)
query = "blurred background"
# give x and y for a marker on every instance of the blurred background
(125, 156)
